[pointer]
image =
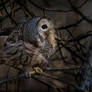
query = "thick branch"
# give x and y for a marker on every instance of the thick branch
(6, 31)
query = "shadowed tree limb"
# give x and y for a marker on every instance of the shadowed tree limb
(55, 10)
(75, 9)
(25, 8)
(9, 15)
(6, 31)
(71, 25)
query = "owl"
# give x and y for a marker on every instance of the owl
(26, 45)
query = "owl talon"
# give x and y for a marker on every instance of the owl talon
(38, 70)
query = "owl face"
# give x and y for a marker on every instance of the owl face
(46, 32)
(38, 30)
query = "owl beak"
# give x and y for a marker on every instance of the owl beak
(51, 38)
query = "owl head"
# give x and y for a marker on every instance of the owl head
(39, 30)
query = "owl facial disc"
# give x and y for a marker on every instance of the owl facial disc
(46, 31)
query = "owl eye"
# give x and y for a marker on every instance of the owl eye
(44, 26)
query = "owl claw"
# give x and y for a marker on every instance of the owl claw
(38, 70)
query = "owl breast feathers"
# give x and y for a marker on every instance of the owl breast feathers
(16, 53)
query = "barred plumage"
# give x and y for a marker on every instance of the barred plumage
(24, 47)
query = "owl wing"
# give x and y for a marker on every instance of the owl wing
(15, 52)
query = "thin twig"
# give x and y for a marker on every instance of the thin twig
(80, 13)
(71, 25)
(55, 10)
(9, 15)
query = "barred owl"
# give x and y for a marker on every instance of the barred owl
(24, 46)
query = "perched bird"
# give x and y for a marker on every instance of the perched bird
(30, 45)
(26, 46)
